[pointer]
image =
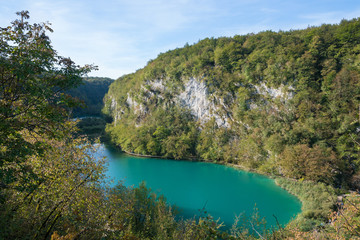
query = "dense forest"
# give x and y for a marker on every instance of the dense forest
(285, 103)
(281, 103)
(52, 186)
(91, 93)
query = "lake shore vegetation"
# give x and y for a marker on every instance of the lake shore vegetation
(53, 187)
(284, 103)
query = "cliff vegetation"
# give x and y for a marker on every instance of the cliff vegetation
(284, 103)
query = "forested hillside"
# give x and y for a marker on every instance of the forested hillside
(284, 103)
(52, 185)
(206, 101)
(91, 93)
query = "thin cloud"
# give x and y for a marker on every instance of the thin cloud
(330, 17)
(121, 36)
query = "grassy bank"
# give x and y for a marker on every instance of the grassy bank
(318, 201)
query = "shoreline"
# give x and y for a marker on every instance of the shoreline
(195, 159)
(236, 166)
(275, 178)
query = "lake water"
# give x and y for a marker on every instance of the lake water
(224, 192)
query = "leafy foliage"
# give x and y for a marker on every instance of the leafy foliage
(318, 201)
(33, 78)
(52, 184)
(91, 93)
(344, 223)
(291, 100)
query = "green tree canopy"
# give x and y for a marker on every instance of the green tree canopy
(33, 78)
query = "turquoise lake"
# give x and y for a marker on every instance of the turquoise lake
(224, 192)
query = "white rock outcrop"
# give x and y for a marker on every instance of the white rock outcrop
(157, 85)
(114, 106)
(139, 108)
(196, 98)
(275, 92)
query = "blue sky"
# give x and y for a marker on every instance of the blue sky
(121, 36)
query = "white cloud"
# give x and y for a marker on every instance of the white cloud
(123, 35)
(332, 17)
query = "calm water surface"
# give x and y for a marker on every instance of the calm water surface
(223, 191)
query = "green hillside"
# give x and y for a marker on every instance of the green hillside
(91, 93)
(285, 103)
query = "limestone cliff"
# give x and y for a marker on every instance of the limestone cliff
(195, 97)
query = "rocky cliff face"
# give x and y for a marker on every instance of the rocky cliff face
(115, 110)
(195, 97)
(281, 92)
